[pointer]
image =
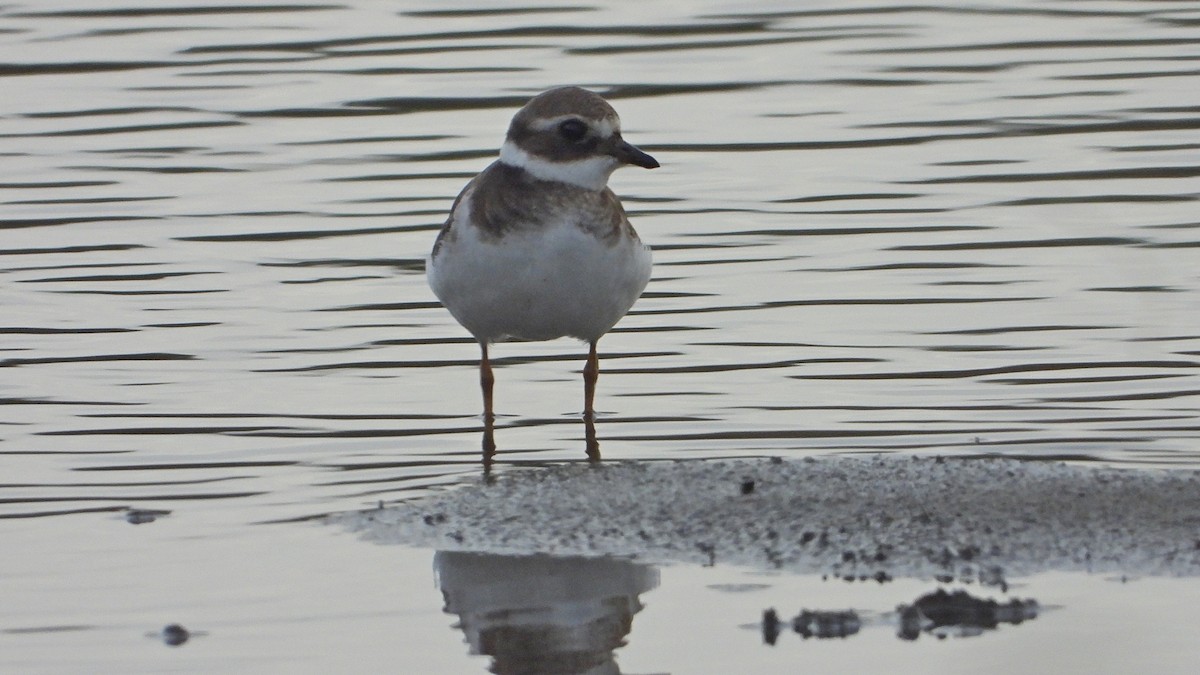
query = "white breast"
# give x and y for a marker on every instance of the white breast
(538, 283)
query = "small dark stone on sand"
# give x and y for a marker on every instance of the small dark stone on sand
(143, 516)
(175, 634)
(771, 626)
(823, 624)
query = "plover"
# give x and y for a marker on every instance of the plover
(537, 246)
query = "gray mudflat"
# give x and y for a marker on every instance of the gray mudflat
(887, 515)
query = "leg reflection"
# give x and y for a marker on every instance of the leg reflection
(592, 447)
(489, 444)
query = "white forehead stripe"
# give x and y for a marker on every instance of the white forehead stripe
(590, 173)
(604, 128)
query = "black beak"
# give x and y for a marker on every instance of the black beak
(629, 154)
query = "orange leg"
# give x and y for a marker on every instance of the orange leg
(591, 372)
(486, 380)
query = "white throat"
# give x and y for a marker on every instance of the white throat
(591, 173)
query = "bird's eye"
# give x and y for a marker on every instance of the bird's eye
(573, 130)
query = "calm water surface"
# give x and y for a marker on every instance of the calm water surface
(878, 227)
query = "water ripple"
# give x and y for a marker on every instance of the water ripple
(900, 228)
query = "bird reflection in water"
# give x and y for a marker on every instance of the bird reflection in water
(543, 614)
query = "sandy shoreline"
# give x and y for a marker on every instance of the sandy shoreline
(886, 515)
